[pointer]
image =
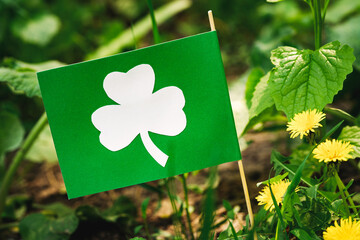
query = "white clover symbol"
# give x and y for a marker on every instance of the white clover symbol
(139, 111)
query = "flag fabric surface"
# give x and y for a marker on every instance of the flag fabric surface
(140, 116)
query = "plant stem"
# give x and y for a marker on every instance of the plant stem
(147, 228)
(29, 141)
(279, 234)
(183, 179)
(317, 23)
(343, 191)
(209, 207)
(325, 8)
(154, 24)
(169, 184)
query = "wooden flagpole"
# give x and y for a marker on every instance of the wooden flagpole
(211, 20)
(240, 164)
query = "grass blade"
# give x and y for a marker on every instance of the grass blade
(275, 158)
(153, 21)
(233, 231)
(144, 206)
(279, 213)
(208, 208)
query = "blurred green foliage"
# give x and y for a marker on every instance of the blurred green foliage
(36, 35)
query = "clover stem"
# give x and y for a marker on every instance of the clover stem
(154, 151)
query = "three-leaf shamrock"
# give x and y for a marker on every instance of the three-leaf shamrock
(139, 111)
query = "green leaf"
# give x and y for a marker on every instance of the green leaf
(312, 166)
(39, 30)
(11, 136)
(261, 97)
(338, 205)
(312, 191)
(21, 76)
(123, 206)
(57, 209)
(277, 32)
(88, 213)
(341, 114)
(274, 179)
(64, 226)
(140, 29)
(269, 114)
(144, 206)
(356, 198)
(233, 231)
(279, 160)
(57, 221)
(227, 205)
(21, 82)
(252, 80)
(43, 148)
(316, 216)
(38, 226)
(341, 9)
(306, 79)
(330, 184)
(11, 132)
(301, 234)
(138, 229)
(229, 209)
(238, 103)
(351, 134)
(348, 32)
(16, 206)
(329, 195)
(279, 165)
(34, 226)
(225, 235)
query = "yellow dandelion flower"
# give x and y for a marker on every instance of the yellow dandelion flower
(278, 188)
(305, 122)
(348, 229)
(332, 151)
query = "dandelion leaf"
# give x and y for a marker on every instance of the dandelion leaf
(352, 134)
(306, 79)
(261, 97)
(11, 132)
(252, 81)
(21, 76)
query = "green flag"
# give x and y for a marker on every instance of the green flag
(140, 116)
